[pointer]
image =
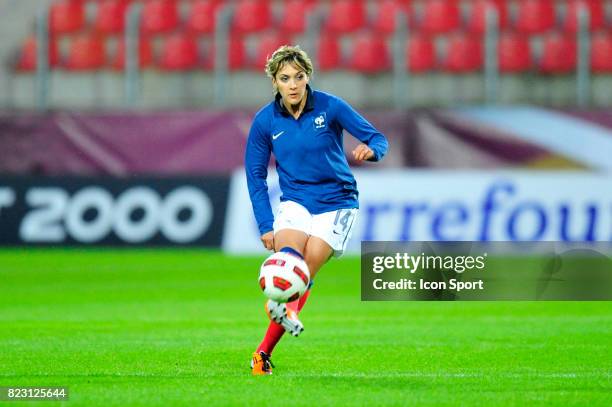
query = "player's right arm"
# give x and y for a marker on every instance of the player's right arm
(257, 157)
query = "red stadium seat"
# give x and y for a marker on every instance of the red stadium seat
(601, 53)
(420, 53)
(439, 16)
(251, 16)
(294, 15)
(87, 52)
(66, 16)
(329, 55)
(386, 12)
(236, 55)
(179, 53)
(477, 22)
(535, 16)
(558, 54)
(596, 11)
(267, 44)
(202, 15)
(145, 55)
(28, 55)
(464, 54)
(159, 16)
(110, 16)
(514, 53)
(370, 54)
(346, 16)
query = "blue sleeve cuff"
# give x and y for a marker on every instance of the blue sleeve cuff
(266, 227)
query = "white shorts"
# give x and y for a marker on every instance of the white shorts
(334, 227)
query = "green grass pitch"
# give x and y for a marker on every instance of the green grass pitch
(177, 327)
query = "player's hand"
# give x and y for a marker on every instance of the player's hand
(362, 152)
(268, 240)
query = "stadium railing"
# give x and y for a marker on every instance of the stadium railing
(484, 42)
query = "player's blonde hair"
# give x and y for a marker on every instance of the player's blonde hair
(288, 54)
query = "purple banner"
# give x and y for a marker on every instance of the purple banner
(205, 142)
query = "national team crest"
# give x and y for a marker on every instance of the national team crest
(320, 121)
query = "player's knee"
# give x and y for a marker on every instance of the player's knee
(290, 238)
(294, 244)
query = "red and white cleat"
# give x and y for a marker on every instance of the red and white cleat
(288, 318)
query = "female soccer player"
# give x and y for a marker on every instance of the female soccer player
(303, 128)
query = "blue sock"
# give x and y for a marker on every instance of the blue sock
(291, 250)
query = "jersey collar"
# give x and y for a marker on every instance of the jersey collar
(280, 106)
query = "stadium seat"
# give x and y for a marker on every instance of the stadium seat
(464, 53)
(110, 16)
(26, 61)
(86, 53)
(345, 16)
(370, 54)
(514, 53)
(420, 53)
(386, 12)
(596, 14)
(179, 52)
(251, 16)
(558, 54)
(477, 22)
(329, 55)
(66, 16)
(159, 16)
(294, 15)
(145, 55)
(268, 43)
(202, 15)
(439, 16)
(601, 53)
(235, 53)
(535, 16)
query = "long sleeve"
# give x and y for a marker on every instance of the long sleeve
(361, 129)
(257, 157)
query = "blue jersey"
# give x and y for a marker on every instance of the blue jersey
(310, 160)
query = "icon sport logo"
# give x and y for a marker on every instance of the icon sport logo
(320, 121)
(277, 135)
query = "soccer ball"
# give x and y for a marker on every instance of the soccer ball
(284, 277)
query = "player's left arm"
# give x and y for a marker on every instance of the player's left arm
(374, 145)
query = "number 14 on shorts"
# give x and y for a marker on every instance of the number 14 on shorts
(343, 220)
